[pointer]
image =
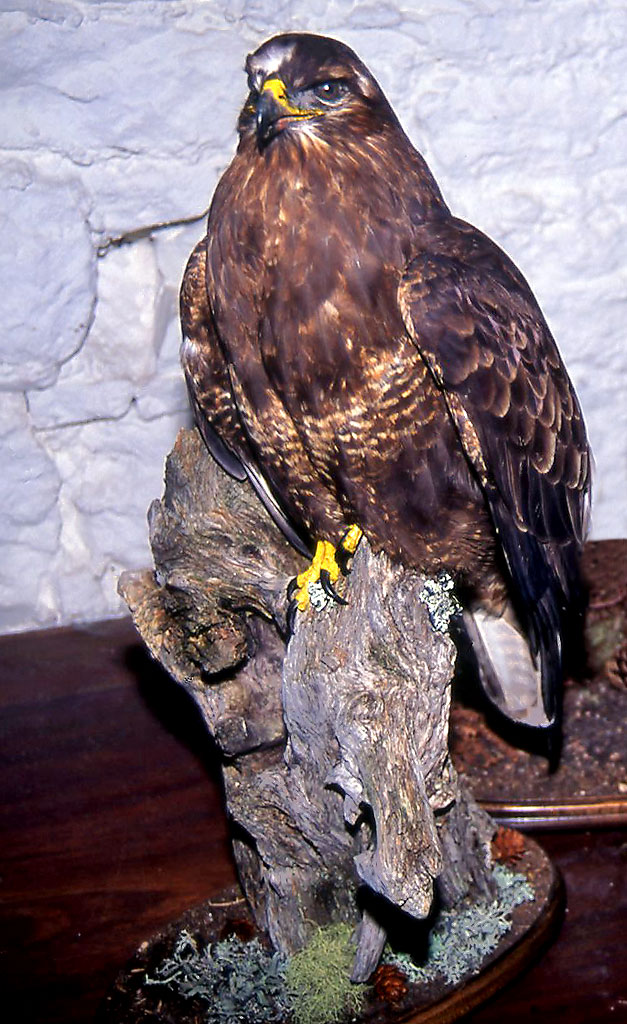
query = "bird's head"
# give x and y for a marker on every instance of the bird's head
(301, 82)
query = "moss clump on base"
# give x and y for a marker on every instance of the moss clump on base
(239, 981)
(319, 978)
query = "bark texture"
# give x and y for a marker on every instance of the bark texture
(336, 766)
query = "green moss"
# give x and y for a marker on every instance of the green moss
(242, 983)
(319, 978)
(461, 939)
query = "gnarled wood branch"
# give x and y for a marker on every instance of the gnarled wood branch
(336, 770)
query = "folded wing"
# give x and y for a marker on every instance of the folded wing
(478, 327)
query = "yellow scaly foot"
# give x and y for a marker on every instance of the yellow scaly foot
(315, 586)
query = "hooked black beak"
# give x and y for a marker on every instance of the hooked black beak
(269, 113)
(275, 111)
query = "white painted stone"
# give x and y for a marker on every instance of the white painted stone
(136, 96)
(166, 394)
(30, 523)
(116, 120)
(121, 350)
(47, 269)
(110, 475)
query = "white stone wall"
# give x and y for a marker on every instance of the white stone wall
(116, 120)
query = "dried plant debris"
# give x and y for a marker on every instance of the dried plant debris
(616, 668)
(508, 845)
(319, 978)
(593, 761)
(461, 939)
(238, 981)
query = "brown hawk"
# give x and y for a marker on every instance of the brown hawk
(367, 359)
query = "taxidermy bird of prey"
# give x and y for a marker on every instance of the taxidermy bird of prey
(371, 363)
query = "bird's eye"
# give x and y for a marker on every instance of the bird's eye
(331, 91)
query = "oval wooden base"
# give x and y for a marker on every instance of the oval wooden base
(132, 1001)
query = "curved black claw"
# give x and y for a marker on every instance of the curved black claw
(290, 616)
(342, 557)
(329, 589)
(292, 587)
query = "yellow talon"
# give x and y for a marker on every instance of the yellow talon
(324, 558)
(351, 539)
(325, 570)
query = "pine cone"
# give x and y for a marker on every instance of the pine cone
(616, 667)
(390, 983)
(507, 845)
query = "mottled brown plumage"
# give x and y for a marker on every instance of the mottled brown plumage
(364, 357)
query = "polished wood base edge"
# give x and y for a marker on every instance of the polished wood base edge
(604, 813)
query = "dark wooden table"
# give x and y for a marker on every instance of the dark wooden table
(112, 824)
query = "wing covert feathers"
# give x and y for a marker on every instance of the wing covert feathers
(477, 325)
(481, 332)
(205, 370)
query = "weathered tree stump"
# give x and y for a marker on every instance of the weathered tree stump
(336, 764)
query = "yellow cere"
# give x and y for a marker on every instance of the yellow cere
(277, 87)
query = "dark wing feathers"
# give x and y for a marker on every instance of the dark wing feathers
(205, 370)
(480, 330)
(489, 348)
(211, 393)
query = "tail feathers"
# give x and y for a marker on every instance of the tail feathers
(510, 677)
(548, 598)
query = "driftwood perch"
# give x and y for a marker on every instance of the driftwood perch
(336, 764)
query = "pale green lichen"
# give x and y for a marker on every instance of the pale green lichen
(602, 639)
(439, 597)
(319, 978)
(241, 983)
(461, 939)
